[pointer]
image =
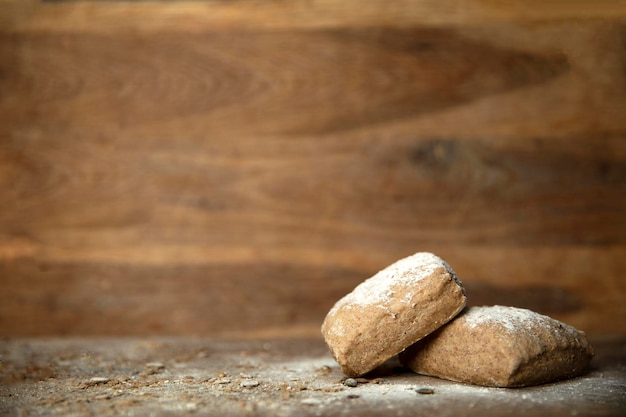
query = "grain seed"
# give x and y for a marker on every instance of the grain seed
(350, 382)
(99, 380)
(425, 391)
(249, 384)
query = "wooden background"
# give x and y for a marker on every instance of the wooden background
(230, 168)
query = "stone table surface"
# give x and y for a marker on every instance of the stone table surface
(273, 377)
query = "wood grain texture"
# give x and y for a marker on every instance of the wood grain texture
(90, 16)
(200, 178)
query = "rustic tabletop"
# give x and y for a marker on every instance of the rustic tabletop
(277, 377)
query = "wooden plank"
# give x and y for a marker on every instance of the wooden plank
(189, 142)
(468, 194)
(582, 287)
(98, 16)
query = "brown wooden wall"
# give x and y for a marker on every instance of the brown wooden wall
(218, 167)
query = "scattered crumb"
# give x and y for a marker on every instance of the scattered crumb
(223, 381)
(99, 380)
(249, 384)
(425, 391)
(350, 382)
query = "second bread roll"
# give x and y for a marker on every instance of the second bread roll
(501, 347)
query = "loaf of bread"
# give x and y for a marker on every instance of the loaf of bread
(501, 347)
(392, 310)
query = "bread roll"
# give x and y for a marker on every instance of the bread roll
(501, 347)
(392, 310)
